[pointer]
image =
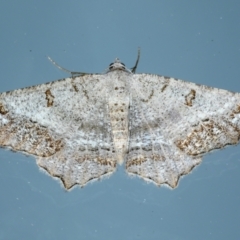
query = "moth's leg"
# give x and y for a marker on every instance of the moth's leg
(133, 69)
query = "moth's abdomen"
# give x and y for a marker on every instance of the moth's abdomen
(119, 122)
(118, 111)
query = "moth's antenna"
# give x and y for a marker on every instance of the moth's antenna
(66, 70)
(133, 69)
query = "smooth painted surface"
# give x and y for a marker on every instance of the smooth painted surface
(191, 40)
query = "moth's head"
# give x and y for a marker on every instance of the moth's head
(117, 65)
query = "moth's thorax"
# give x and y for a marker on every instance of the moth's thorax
(118, 102)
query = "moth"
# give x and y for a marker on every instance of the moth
(79, 128)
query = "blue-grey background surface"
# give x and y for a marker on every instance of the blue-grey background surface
(197, 41)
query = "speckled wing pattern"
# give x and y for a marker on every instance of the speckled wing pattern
(174, 123)
(79, 128)
(65, 124)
